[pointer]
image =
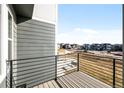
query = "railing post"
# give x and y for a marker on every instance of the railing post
(6, 74)
(123, 50)
(123, 72)
(11, 72)
(55, 67)
(113, 73)
(77, 61)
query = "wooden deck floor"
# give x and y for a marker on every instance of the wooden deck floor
(49, 84)
(74, 80)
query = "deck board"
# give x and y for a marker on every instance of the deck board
(80, 81)
(41, 86)
(66, 85)
(46, 85)
(71, 85)
(93, 80)
(55, 84)
(83, 80)
(74, 80)
(62, 83)
(49, 84)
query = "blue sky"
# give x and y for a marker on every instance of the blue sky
(89, 23)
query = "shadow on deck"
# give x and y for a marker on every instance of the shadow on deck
(74, 80)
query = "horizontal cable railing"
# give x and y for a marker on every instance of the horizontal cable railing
(66, 64)
(33, 71)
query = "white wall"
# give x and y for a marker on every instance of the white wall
(45, 12)
(4, 41)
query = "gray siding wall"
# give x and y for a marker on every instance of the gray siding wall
(35, 39)
(14, 47)
(14, 40)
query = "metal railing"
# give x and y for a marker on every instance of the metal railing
(33, 71)
(66, 64)
(106, 69)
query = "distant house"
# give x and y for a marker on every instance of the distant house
(117, 47)
(67, 46)
(75, 46)
(61, 45)
(98, 47)
(95, 46)
(106, 46)
(86, 46)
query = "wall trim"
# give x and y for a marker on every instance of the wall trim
(42, 20)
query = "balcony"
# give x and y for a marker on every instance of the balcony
(74, 80)
(76, 70)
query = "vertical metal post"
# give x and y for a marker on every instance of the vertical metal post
(56, 68)
(123, 73)
(25, 85)
(123, 47)
(113, 73)
(11, 73)
(78, 62)
(6, 74)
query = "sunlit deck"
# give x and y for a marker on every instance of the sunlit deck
(74, 80)
(66, 71)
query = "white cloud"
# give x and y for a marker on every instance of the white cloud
(81, 36)
(87, 31)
